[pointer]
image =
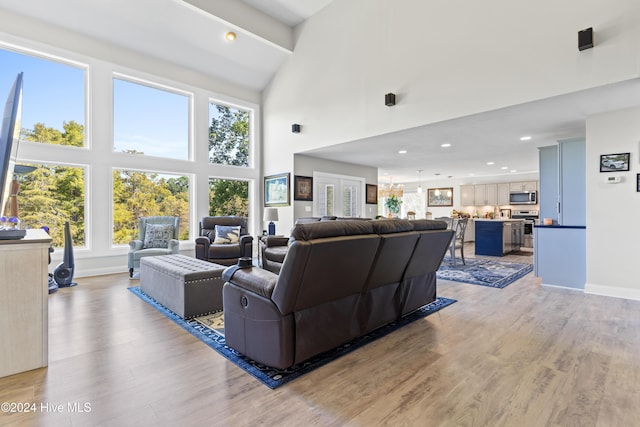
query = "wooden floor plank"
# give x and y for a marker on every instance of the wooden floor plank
(524, 355)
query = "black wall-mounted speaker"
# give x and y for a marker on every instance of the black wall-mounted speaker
(585, 39)
(295, 128)
(390, 99)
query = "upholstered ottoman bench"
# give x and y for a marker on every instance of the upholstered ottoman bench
(187, 286)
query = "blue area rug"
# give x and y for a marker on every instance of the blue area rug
(483, 271)
(272, 377)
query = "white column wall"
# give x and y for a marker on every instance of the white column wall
(612, 229)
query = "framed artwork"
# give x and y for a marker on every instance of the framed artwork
(638, 182)
(277, 189)
(440, 196)
(372, 194)
(614, 162)
(303, 188)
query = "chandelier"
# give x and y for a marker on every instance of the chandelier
(391, 189)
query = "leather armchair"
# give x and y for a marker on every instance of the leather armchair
(223, 253)
(160, 246)
(273, 250)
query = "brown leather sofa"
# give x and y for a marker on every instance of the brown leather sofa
(273, 249)
(339, 280)
(224, 253)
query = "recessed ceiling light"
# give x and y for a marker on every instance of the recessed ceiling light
(445, 145)
(230, 36)
(504, 167)
(490, 163)
(402, 152)
(525, 138)
(472, 174)
(513, 170)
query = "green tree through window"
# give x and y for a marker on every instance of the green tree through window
(228, 136)
(142, 194)
(228, 145)
(51, 195)
(228, 197)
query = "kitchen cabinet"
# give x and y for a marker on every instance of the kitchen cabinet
(470, 231)
(486, 194)
(492, 194)
(523, 186)
(498, 237)
(503, 194)
(467, 195)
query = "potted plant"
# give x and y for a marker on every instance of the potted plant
(393, 204)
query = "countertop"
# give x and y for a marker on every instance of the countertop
(497, 219)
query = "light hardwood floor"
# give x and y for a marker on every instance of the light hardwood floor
(524, 355)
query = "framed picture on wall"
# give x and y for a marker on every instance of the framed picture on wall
(614, 162)
(372, 194)
(303, 188)
(638, 182)
(277, 189)
(440, 196)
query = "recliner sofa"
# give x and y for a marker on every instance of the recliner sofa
(339, 280)
(273, 249)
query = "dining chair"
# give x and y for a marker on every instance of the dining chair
(459, 225)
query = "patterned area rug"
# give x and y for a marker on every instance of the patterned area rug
(483, 271)
(272, 377)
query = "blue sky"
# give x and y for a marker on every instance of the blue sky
(145, 119)
(51, 94)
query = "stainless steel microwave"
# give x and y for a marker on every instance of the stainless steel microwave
(523, 198)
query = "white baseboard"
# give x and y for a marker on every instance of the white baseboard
(612, 291)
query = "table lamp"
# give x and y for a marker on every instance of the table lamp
(271, 214)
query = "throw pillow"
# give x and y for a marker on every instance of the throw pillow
(157, 235)
(226, 234)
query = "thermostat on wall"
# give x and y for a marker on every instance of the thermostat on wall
(613, 179)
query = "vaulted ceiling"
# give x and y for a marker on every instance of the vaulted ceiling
(191, 33)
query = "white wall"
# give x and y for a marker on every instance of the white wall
(613, 231)
(442, 59)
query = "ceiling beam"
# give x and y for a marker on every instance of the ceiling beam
(247, 20)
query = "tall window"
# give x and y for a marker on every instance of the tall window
(141, 194)
(229, 131)
(151, 121)
(53, 97)
(228, 197)
(53, 112)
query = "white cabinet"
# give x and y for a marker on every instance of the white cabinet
(470, 231)
(467, 197)
(486, 194)
(523, 186)
(492, 194)
(24, 303)
(503, 194)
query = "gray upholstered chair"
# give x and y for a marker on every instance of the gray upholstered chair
(457, 241)
(223, 240)
(158, 235)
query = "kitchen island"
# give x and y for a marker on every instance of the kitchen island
(498, 237)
